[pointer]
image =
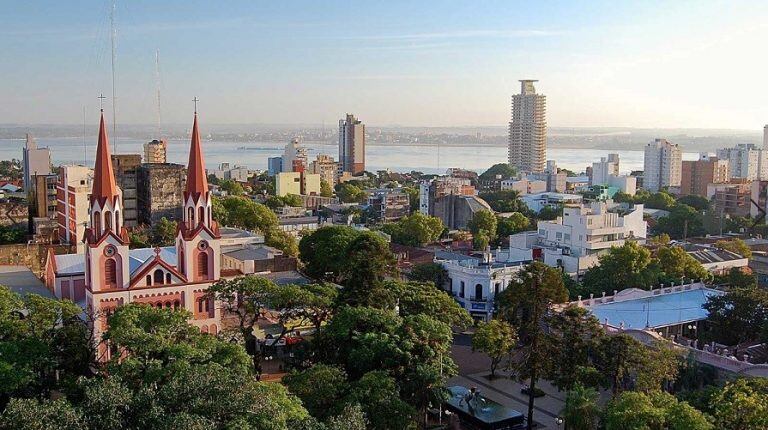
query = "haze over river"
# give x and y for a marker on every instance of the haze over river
(400, 158)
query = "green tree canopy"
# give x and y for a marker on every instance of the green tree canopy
(429, 272)
(503, 170)
(415, 230)
(324, 251)
(623, 267)
(243, 213)
(675, 263)
(682, 221)
(656, 410)
(512, 224)
(495, 338)
(348, 193)
(325, 188)
(231, 187)
(483, 221)
(739, 316)
(368, 262)
(735, 245)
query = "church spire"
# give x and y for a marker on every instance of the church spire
(197, 181)
(104, 186)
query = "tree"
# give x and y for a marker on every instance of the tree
(660, 200)
(512, 224)
(415, 230)
(243, 213)
(739, 316)
(324, 251)
(573, 334)
(503, 170)
(348, 193)
(550, 212)
(740, 406)
(697, 202)
(429, 272)
(325, 188)
(481, 240)
(378, 395)
(657, 410)
(159, 342)
(736, 246)
(283, 241)
(292, 200)
(524, 303)
(12, 234)
(622, 267)
(496, 339)
(231, 187)
(32, 414)
(483, 220)
(321, 389)
(581, 410)
(164, 232)
(617, 358)
(368, 262)
(675, 263)
(737, 277)
(414, 298)
(683, 221)
(505, 201)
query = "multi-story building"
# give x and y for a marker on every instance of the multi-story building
(294, 157)
(156, 151)
(126, 166)
(662, 165)
(37, 161)
(575, 240)
(555, 179)
(274, 165)
(160, 192)
(236, 173)
(72, 192)
(431, 191)
(605, 168)
(298, 183)
(474, 282)
(537, 202)
(745, 161)
(524, 185)
(732, 198)
(456, 211)
(326, 167)
(108, 274)
(351, 145)
(528, 129)
(696, 175)
(389, 204)
(44, 202)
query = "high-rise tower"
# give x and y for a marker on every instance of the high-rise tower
(528, 129)
(351, 145)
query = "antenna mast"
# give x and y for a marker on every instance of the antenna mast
(157, 83)
(114, 96)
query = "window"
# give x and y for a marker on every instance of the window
(496, 288)
(201, 215)
(107, 220)
(202, 265)
(543, 233)
(117, 221)
(191, 216)
(567, 237)
(176, 304)
(97, 222)
(167, 278)
(159, 275)
(461, 291)
(200, 305)
(110, 272)
(559, 235)
(149, 280)
(478, 292)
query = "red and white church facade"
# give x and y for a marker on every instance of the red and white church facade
(109, 274)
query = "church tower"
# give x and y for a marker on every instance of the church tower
(197, 241)
(106, 240)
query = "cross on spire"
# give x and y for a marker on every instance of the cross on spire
(101, 101)
(195, 100)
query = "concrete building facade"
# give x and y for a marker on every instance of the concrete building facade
(389, 204)
(72, 192)
(160, 192)
(156, 151)
(326, 167)
(745, 161)
(126, 166)
(696, 175)
(662, 165)
(36, 161)
(528, 129)
(351, 145)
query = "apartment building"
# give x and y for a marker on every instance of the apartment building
(528, 129)
(696, 175)
(662, 165)
(72, 204)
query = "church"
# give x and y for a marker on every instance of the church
(108, 274)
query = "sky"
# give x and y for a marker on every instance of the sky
(698, 64)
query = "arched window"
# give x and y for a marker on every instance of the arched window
(478, 292)
(207, 304)
(149, 280)
(181, 260)
(110, 272)
(214, 329)
(191, 216)
(117, 221)
(159, 277)
(168, 305)
(107, 220)
(201, 215)
(496, 288)
(97, 223)
(202, 265)
(200, 305)
(167, 278)
(176, 304)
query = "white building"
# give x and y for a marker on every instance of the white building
(575, 240)
(604, 169)
(524, 186)
(537, 202)
(528, 129)
(474, 282)
(662, 165)
(294, 157)
(37, 161)
(745, 161)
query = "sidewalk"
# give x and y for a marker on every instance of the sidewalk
(507, 392)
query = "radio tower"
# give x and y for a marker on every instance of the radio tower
(114, 91)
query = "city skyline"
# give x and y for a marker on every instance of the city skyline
(403, 64)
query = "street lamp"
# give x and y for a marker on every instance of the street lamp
(559, 421)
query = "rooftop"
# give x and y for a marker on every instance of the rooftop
(21, 280)
(258, 252)
(640, 309)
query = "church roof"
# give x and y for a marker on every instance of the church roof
(197, 181)
(74, 264)
(104, 185)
